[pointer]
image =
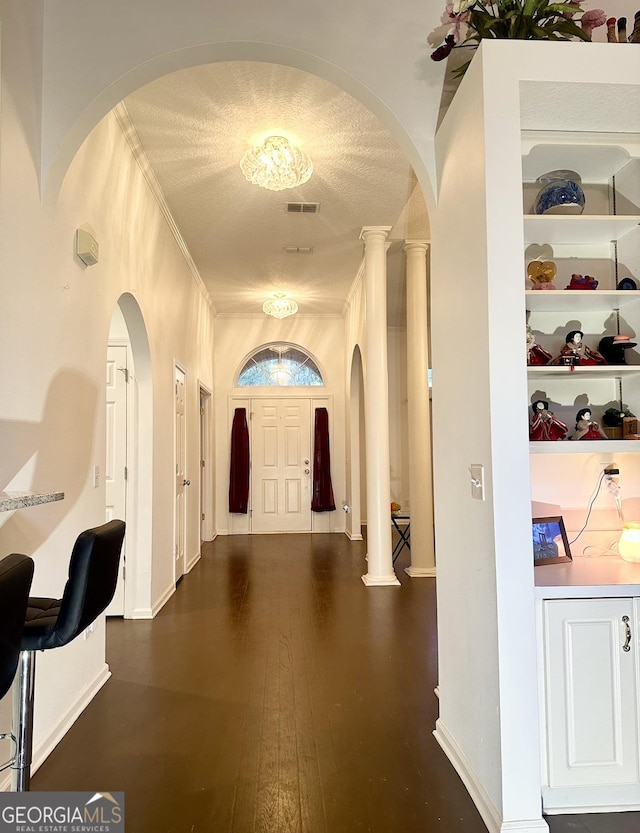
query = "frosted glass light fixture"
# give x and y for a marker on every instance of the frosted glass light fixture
(279, 306)
(629, 543)
(276, 164)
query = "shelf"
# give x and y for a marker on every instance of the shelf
(584, 446)
(594, 157)
(611, 371)
(570, 300)
(577, 229)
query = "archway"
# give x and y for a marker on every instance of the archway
(60, 143)
(129, 331)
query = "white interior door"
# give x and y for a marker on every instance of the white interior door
(115, 470)
(181, 481)
(281, 465)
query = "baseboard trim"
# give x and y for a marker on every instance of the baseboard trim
(141, 613)
(420, 572)
(353, 536)
(66, 720)
(168, 593)
(191, 564)
(485, 806)
(381, 581)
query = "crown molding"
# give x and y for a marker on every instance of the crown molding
(133, 140)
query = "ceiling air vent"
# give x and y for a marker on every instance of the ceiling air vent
(298, 250)
(303, 207)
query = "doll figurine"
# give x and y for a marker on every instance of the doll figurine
(544, 425)
(576, 352)
(536, 355)
(587, 428)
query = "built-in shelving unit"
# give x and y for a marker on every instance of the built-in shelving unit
(603, 242)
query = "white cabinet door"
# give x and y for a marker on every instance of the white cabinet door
(590, 688)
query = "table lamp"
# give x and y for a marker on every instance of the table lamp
(629, 543)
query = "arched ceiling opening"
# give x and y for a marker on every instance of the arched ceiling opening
(190, 128)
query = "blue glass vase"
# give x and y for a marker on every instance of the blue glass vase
(560, 193)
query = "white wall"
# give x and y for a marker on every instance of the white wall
(55, 315)
(398, 428)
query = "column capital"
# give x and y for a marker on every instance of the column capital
(373, 232)
(416, 245)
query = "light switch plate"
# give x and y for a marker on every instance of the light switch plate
(477, 481)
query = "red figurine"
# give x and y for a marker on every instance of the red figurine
(582, 282)
(587, 428)
(544, 425)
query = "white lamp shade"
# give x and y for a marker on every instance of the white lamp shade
(629, 543)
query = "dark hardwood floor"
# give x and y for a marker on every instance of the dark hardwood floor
(275, 692)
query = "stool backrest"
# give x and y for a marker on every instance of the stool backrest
(16, 572)
(93, 575)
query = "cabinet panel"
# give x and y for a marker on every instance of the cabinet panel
(590, 688)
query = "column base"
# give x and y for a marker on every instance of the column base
(380, 581)
(420, 572)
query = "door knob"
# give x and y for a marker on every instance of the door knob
(306, 471)
(306, 462)
(186, 482)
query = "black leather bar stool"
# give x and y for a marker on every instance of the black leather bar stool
(51, 623)
(16, 572)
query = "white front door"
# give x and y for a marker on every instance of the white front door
(181, 481)
(116, 454)
(281, 465)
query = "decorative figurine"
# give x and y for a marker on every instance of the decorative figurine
(619, 425)
(611, 30)
(622, 30)
(580, 282)
(627, 284)
(613, 348)
(536, 355)
(543, 425)
(634, 37)
(541, 274)
(587, 428)
(576, 352)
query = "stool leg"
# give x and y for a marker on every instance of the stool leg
(23, 686)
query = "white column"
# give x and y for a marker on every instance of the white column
(376, 409)
(419, 417)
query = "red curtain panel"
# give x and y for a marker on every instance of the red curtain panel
(239, 468)
(322, 489)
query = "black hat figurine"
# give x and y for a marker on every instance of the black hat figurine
(613, 348)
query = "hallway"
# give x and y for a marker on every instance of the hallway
(274, 692)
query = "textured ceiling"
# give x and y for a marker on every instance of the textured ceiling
(194, 126)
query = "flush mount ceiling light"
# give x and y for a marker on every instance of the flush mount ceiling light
(279, 306)
(276, 164)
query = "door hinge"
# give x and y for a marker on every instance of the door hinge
(126, 373)
(202, 517)
(126, 473)
(202, 463)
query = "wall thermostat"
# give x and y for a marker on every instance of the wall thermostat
(86, 247)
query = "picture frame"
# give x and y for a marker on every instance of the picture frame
(550, 542)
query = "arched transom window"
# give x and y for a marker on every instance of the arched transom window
(278, 365)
